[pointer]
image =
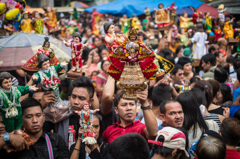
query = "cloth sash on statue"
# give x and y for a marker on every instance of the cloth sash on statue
(2, 98)
(43, 75)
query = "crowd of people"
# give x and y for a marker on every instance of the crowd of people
(191, 112)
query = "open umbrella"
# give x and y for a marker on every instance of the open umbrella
(76, 4)
(16, 49)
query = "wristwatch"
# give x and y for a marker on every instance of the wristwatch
(146, 108)
(6, 138)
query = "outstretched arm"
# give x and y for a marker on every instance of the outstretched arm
(65, 43)
(107, 96)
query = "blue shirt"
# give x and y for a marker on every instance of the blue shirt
(236, 93)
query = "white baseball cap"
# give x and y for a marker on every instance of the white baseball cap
(173, 138)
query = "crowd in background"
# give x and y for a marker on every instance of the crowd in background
(195, 110)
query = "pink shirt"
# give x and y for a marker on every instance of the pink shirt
(92, 68)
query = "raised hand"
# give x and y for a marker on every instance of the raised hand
(34, 88)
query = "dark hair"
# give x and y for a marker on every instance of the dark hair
(183, 61)
(150, 91)
(220, 74)
(192, 114)
(160, 4)
(30, 102)
(117, 98)
(129, 146)
(236, 64)
(206, 88)
(166, 52)
(103, 63)
(237, 115)
(217, 53)
(83, 82)
(46, 40)
(199, 96)
(215, 87)
(230, 59)
(211, 48)
(160, 93)
(100, 139)
(178, 49)
(210, 147)
(106, 26)
(5, 75)
(209, 58)
(170, 58)
(77, 34)
(194, 79)
(167, 152)
(230, 129)
(176, 68)
(41, 59)
(238, 74)
(163, 109)
(226, 93)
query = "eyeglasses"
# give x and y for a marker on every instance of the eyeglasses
(180, 74)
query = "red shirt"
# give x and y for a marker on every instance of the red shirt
(116, 130)
(232, 154)
(218, 34)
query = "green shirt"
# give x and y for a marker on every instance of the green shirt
(21, 91)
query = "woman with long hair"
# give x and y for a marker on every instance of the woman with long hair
(97, 151)
(193, 120)
(202, 105)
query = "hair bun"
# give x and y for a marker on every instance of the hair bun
(46, 38)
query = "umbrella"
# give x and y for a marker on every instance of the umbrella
(16, 49)
(76, 4)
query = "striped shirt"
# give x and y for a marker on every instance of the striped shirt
(213, 117)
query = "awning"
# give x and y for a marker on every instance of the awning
(40, 10)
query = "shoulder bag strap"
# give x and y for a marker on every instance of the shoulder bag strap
(49, 145)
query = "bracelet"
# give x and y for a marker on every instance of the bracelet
(77, 150)
(146, 108)
(90, 56)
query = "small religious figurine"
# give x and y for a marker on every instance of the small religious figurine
(135, 22)
(131, 51)
(47, 76)
(183, 88)
(183, 37)
(86, 117)
(195, 16)
(162, 17)
(184, 21)
(198, 41)
(38, 22)
(26, 25)
(112, 40)
(31, 65)
(173, 14)
(125, 24)
(77, 48)
(52, 18)
(218, 32)
(208, 22)
(131, 65)
(62, 28)
(147, 12)
(221, 11)
(10, 106)
(228, 30)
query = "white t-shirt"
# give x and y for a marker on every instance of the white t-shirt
(159, 122)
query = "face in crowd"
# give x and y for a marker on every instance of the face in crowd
(174, 116)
